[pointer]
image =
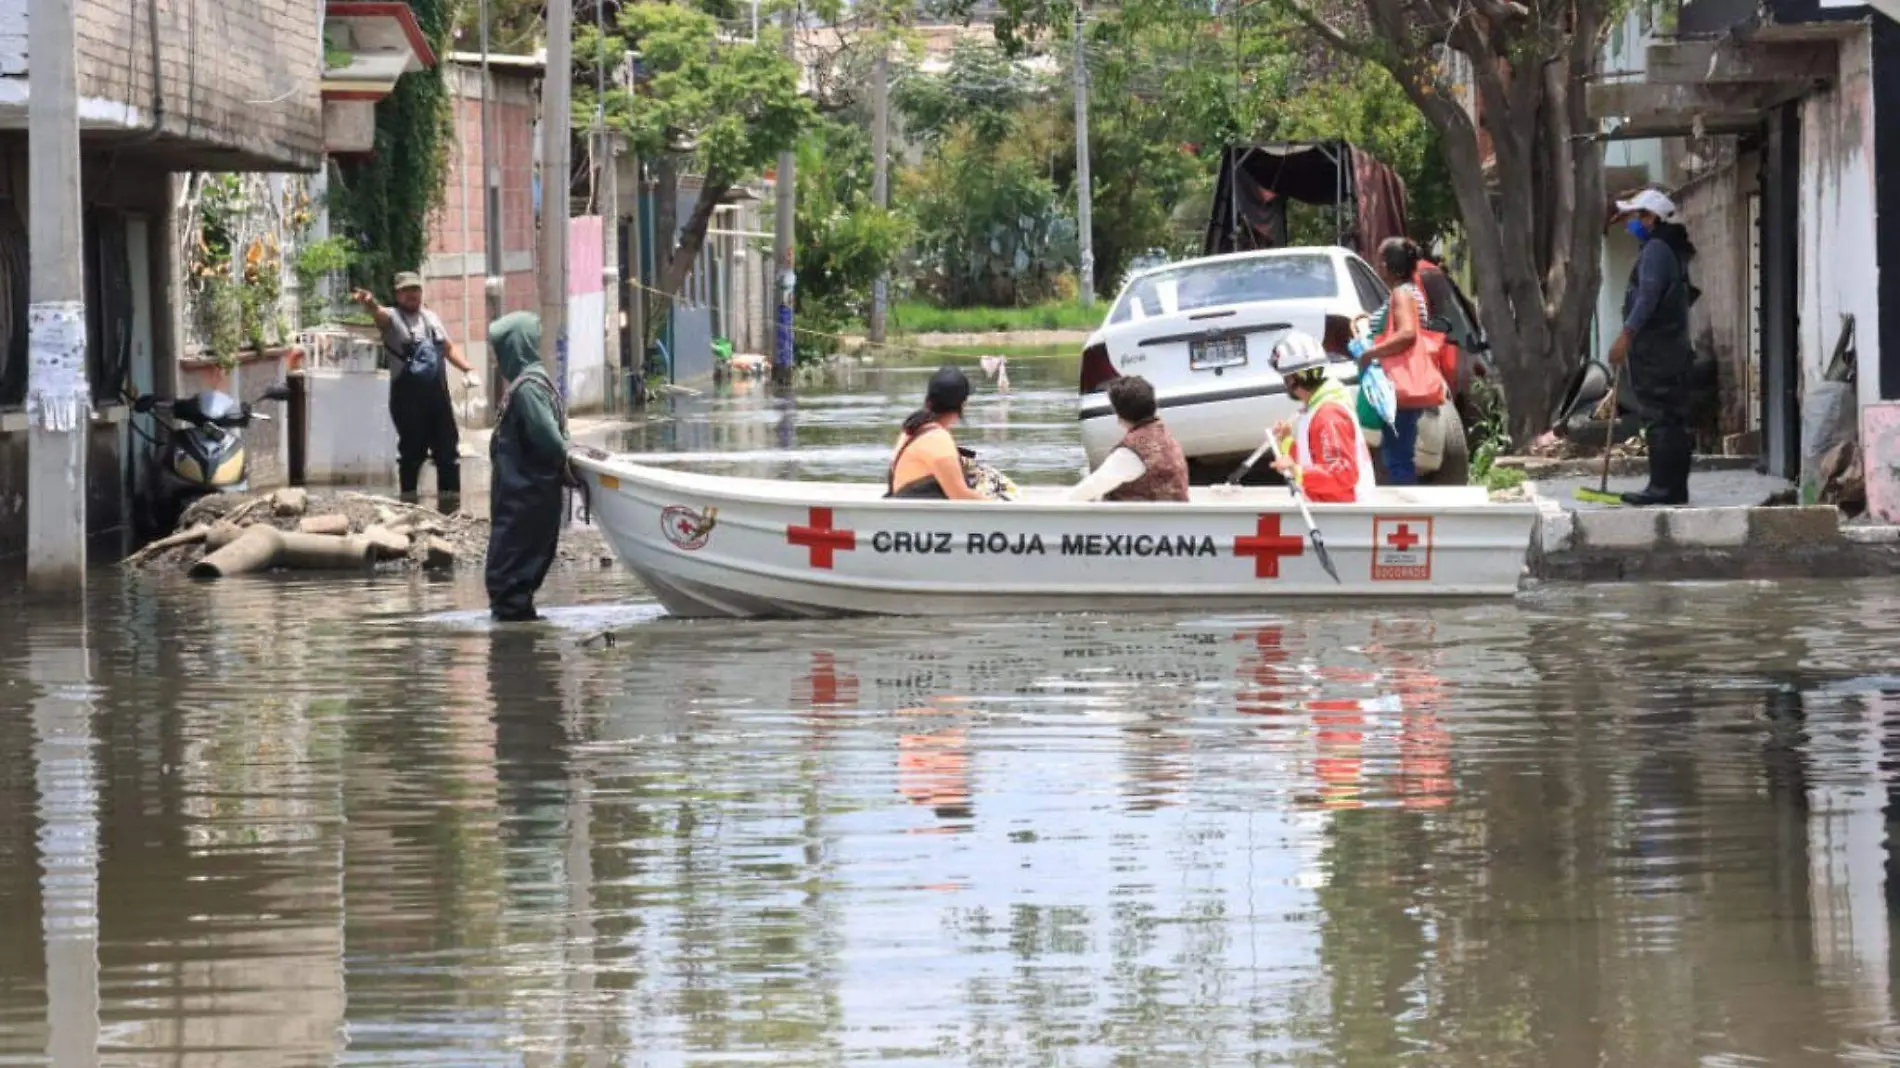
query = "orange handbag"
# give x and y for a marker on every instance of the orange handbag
(1417, 381)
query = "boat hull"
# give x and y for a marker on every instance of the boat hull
(713, 546)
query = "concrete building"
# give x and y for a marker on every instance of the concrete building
(1774, 126)
(167, 89)
(458, 244)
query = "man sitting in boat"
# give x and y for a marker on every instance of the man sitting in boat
(1324, 452)
(927, 465)
(1148, 465)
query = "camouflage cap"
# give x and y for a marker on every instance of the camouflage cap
(408, 280)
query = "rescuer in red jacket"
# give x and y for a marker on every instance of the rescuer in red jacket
(1324, 451)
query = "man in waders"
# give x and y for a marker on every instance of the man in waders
(1655, 344)
(528, 461)
(419, 401)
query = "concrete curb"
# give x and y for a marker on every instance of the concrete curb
(1624, 544)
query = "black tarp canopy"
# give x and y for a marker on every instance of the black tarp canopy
(1256, 182)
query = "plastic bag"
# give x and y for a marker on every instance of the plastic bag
(1830, 414)
(1378, 405)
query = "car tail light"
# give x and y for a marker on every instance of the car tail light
(1097, 371)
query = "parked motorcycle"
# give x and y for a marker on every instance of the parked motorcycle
(198, 451)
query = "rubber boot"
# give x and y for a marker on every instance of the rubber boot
(1671, 454)
(448, 503)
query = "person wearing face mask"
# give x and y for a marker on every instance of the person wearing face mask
(1655, 345)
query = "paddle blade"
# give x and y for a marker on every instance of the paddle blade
(1325, 558)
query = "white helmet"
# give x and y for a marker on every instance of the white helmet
(1296, 352)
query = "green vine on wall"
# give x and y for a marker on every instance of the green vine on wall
(385, 202)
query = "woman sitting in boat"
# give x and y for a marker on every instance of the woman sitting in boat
(1325, 451)
(1148, 465)
(927, 464)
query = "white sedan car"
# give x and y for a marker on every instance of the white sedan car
(1202, 333)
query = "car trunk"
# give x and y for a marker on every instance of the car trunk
(1193, 348)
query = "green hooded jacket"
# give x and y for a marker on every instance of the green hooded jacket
(531, 398)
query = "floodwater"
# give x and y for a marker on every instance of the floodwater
(268, 823)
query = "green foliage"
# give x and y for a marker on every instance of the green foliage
(1499, 479)
(731, 105)
(316, 261)
(982, 91)
(514, 26)
(917, 317)
(384, 202)
(1491, 437)
(1171, 84)
(992, 227)
(844, 239)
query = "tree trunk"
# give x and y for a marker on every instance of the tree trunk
(1534, 246)
(685, 255)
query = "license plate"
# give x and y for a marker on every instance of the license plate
(1217, 352)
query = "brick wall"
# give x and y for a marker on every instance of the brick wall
(458, 233)
(241, 78)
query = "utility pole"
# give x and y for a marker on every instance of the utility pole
(556, 144)
(59, 402)
(1084, 194)
(491, 221)
(609, 162)
(783, 233)
(881, 177)
(636, 290)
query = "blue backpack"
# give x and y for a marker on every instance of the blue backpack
(421, 358)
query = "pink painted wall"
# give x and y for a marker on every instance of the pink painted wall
(1880, 456)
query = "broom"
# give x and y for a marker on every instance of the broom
(1602, 494)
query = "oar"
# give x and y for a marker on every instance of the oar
(1306, 513)
(1247, 464)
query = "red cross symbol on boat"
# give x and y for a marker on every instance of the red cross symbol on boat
(819, 536)
(1267, 545)
(1403, 539)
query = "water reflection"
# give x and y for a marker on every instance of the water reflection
(304, 823)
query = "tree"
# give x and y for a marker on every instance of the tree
(1532, 208)
(725, 106)
(844, 239)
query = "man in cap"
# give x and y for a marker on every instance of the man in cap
(419, 402)
(528, 469)
(1655, 345)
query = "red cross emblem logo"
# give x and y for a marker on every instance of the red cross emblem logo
(819, 536)
(1267, 545)
(1402, 548)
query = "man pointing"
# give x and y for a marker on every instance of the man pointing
(419, 401)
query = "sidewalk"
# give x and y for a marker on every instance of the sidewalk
(1730, 531)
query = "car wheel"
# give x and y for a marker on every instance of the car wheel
(1454, 462)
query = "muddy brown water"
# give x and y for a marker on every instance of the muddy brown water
(292, 823)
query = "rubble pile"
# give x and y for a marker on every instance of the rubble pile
(231, 534)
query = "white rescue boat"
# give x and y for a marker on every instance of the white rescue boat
(709, 545)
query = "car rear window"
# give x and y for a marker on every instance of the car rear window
(1214, 283)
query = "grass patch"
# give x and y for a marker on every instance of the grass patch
(1498, 479)
(916, 317)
